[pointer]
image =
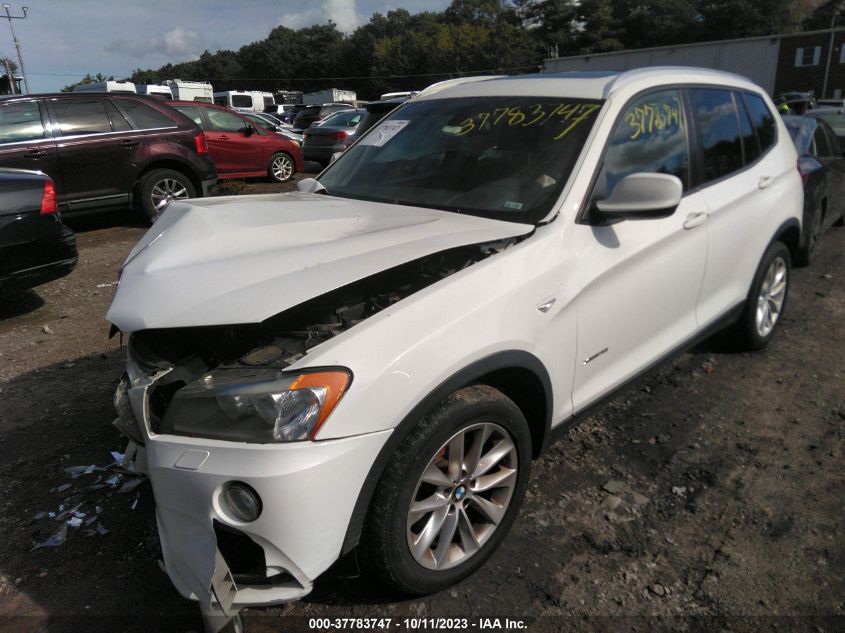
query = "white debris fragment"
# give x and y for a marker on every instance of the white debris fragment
(679, 491)
(74, 522)
(61, 488)
(113, 480)
(135, 501)
(102, 531)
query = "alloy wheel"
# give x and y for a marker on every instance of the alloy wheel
(167, 190)
(282, 168)
(771, 297)
(462, 496)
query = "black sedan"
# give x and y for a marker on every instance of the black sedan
(822, 168)
(35, 247)
(834, 117)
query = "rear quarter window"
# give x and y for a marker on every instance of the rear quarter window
(143, 116)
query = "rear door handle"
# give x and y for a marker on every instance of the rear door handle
(695, 219)
(765, 181)
(129, 143)
(223, 137)
(36, 153)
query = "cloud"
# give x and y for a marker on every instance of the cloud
(344, 13)
(179, 44)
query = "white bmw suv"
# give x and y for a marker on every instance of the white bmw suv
(375, 361)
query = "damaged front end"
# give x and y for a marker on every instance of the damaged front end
(226, 418)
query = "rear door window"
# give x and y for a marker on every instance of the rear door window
(750, 145)
(20, 122)
(118, 121)
(143, 116)
(82, 116)
(222, 121)
(719, 133)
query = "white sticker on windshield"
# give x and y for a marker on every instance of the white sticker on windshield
(383, 133)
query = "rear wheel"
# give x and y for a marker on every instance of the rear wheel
(450, 493)
(159, 188)
(281, 168)
(766, 300)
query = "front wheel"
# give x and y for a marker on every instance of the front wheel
(282, 168)
(766, 300)
(450, 493)
(159, 188)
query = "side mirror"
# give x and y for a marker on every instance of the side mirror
(334, 157)
(248, 130)
(310, 185)
(642, 195)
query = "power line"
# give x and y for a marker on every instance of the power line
(454, 72)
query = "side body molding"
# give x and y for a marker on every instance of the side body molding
(500, 361)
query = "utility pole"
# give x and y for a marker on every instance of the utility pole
(836, 11)
(11, 17)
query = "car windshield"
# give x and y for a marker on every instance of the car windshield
(505, 158)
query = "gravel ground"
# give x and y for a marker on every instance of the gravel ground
(709, 496)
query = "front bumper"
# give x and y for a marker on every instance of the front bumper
(308, 491)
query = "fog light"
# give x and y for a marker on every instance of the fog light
(242, 501)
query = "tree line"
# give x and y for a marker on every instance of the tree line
(401, 51)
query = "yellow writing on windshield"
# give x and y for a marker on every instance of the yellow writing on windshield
(567, 114)
(649, 118)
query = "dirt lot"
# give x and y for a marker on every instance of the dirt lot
(710, 497)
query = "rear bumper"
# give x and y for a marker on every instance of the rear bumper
(320, 154)
(39, 262)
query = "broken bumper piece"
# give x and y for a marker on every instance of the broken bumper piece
(307, 492)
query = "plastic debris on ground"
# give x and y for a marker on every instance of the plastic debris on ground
(83, 508)
(55, 540)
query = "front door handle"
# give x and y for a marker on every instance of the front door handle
(36, 153)
(223, 137)
(695, 219)
(765, 181)
(129, 143)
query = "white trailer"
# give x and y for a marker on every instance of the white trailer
(191, 90)
(238, 100)
(106, 86)
(154, 90)
(331, 95)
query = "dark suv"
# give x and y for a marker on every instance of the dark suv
(106, 150)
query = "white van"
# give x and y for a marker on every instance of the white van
(106, 86)
(191, 90)
(155, 90)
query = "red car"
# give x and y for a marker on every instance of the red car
(239, 149)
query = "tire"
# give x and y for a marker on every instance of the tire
(764, 308)
(281, 168)
(404, 547)
(804, 254)
(160, 186)
(841, 220)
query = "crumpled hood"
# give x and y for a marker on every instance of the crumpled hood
(244, 259)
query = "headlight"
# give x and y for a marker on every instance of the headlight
(260, 405)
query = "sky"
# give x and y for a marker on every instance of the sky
(62, 40)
